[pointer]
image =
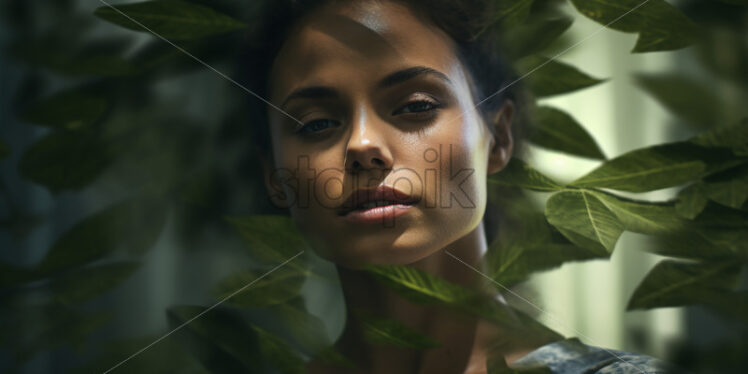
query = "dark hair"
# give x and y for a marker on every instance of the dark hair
(470, 23)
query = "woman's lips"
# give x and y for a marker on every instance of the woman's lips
(385, 213)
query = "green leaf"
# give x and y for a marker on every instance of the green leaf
(512, 12)
(648, 169)
(270, 238)
(687, 98)
(675, 283)
(556, 130)
(220, 340)
(277, 287)
(383, 331)
(278, 352)
(4, 150)
(642, 216)
(518, 173)
(131, 225)
(691, 201)
(729, 188)
(70, 110)
(734, 137)
(303, 329)
(534, 37)
(547, 77)
(65, 160)
(531, 248)
(170, 19)
(661, 26)
(87, 283)
(33, 329)
(585, 220)
(419, 286)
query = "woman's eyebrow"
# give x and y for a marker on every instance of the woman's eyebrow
(400, 76)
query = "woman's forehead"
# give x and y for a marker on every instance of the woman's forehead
(363, 41)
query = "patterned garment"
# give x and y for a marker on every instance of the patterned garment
(573, 356)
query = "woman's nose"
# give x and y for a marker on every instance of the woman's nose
(367, 145)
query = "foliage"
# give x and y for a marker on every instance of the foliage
(104, 130)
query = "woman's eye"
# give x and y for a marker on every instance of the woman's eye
(316, 126)
(418, 107)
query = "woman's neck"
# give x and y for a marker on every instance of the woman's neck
(454, 330)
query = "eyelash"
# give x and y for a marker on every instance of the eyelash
(305, 128)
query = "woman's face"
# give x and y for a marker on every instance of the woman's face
(383, 101)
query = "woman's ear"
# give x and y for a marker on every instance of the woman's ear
(502, 143)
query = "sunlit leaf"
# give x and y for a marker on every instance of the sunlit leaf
(556, 130)
(170, 19)
(661, 26)
(65, 160)
(518, 173)
(691, 201)
(585, 220)
(87, 283)
(257, 290)
(220, 340)
(546, 77)
(648, 169)
(70, 110)
(675, 283)
(131, 225)
(689, 99)
(383, 331)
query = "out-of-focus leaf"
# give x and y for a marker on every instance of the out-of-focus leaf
(383, 331)
(84, 284)
(734, 2)
(149, 361)
(274, 288)
(4, 150)
(556, 130)
(661, 26)
(518, 173)
(648, 169)
(675, 283)
(170, 19)
(512, 12)
(734, 137)
(32, 329)
(221, 341)
(691, 201)
(732, 304)
(729, 188)
(531, 38)
(11, 275)
(70, 110)
(686, 97)
(270, 238)
(278, 353)
(585, 220)
(65, 160)
(497, 365)
(132, 225)
(547, 77)
(302, 328)
(531, 248)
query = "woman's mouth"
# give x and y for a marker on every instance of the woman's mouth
(377, 211)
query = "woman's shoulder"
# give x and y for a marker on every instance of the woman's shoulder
(573, 356)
